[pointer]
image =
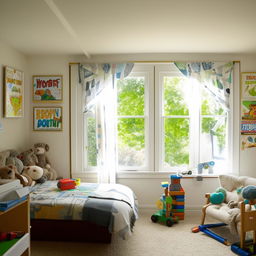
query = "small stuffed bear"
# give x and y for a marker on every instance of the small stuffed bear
(28, 157)
(35, 173)
(14, 160)
(3, 157)
(43, 161)
(10, 172)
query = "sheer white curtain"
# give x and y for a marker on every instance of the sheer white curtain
(98, 81)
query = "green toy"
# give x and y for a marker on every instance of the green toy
(165, 215)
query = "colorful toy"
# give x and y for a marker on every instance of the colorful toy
(65, 184)
(171, 203)
(205, 165)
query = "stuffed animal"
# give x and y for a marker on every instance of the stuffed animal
(14, 160)
(43, 161)
(28, 157)
(10, 172)
(3, 157)
(35, 173)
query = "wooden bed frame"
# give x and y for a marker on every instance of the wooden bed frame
(68, 230)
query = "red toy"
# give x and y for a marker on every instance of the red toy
(65, 184)
(10, 235)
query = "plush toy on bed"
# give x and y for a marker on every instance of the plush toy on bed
(43, 161)
(10, 172)
(28, 157)
(14, 160)
(36, 173)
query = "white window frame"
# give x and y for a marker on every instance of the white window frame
(146, 71)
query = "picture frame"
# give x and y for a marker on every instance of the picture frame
(248, 85)
(47, 118)
(13, 92)
(47, 88)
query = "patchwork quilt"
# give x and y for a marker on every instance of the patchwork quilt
(110, 205)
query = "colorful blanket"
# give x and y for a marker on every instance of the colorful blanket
(110, 205)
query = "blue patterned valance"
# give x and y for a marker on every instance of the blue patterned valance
(215, 76)
(94, 77)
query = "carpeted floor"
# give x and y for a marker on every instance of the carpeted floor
(149, 239)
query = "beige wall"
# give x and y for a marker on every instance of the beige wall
(15, 134)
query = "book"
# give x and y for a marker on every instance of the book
(8, 184)
(5, 205)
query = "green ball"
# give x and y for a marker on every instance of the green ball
(217, 198)
(222, 190)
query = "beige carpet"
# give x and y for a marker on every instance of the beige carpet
(149, 239)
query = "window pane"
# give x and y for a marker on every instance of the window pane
(209, 105)
(176, 141)
(176, 96)
(213, 139)
(131, 141)
(91, 140)
(130, 95)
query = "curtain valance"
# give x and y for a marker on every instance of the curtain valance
(94, 77)
(215, 76)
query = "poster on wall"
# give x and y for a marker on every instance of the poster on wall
(248, 141)
(248, 110)
(248, 127)
(248, 85)
(47, 119)
(13, 92)
(47, 88)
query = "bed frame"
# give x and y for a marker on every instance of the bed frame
(68, 230)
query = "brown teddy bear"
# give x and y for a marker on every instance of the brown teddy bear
(10, 172)
(14, 160)
(28, 157)
(40, 150)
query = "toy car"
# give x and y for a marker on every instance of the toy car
(160, 216)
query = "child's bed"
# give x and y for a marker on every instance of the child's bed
(91, 212)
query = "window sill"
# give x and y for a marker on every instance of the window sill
(158, 175)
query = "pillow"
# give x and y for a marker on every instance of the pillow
(230, 182)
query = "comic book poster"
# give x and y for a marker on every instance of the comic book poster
(13, 92)
(47, 119)
(248, 85)
(47, 88)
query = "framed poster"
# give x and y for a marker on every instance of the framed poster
(248, 141)
(13, 92)
(47, 88)
(248, 127)
(248, 85)
(47, 119)
(248, 110)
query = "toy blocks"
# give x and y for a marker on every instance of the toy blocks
(178, 195)
(171, 203)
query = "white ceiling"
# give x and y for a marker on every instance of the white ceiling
(128, 26)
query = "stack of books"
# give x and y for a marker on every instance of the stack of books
(11, 193)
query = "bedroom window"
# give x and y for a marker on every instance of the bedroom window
(164, 122)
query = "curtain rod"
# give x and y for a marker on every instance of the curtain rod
(149, 61)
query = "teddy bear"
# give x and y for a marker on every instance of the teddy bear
(40, 150)
(10, 172)
(14, 160)
(3, 157)
(36, 173)
(28, 157)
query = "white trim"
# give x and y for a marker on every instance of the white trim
(235, 131)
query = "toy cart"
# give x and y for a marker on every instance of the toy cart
(160, 216)
(171, 203)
